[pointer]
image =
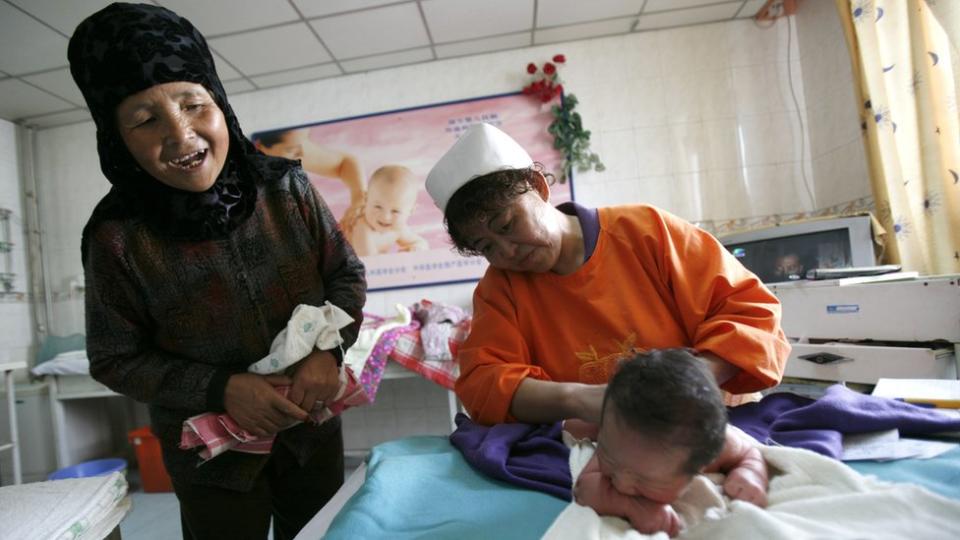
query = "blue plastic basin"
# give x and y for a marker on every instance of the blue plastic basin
(96, 467)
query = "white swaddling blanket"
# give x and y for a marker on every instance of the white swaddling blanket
(811, 496)
(309, 327)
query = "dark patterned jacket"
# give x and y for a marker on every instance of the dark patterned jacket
(169, 320)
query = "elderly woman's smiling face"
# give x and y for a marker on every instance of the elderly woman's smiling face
(176, 133)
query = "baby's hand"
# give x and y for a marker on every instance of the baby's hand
(746, 485)
(648, 517)
(412, 242)
(595, 490)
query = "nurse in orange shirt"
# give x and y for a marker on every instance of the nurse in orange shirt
(571, 289)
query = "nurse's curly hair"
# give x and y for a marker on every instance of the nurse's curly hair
(483, 197)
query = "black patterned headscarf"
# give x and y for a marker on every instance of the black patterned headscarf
(124, 49)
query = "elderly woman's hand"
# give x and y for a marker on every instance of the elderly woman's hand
(251, 400)
(315, 378)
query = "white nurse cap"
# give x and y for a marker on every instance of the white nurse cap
(483, 149)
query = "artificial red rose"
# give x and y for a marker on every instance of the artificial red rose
(557, 90)
(549, 68)
(559, 58)
(531, 68)
(547, 93)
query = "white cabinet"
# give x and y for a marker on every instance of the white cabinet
(868, 363)
(860, 332)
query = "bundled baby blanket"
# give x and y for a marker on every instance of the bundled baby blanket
(811, 496)
(310, 327)
(532, 456)
(819, 425)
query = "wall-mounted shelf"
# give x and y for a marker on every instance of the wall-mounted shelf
(6, 247)
(6, 281)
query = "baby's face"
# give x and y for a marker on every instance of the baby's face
(389, 203)
(639, 466)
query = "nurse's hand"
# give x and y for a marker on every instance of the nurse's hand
(588, 400)
(541, 402)
(315, 378)
(256, 407)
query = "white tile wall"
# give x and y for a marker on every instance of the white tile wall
(402, 407)
(838, 163)
(16, 329)
(700, 121)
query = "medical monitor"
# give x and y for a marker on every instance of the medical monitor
(786, 252)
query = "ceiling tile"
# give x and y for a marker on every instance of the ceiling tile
(372, 32)
(224, 70)
(21, 100)
(387, 60)
(475, 46)
(583, 31)
(237, 85)
(751, 7)
(59, 82)
(72, 116)
(560, 12)
(27, 45)
(274, 49)
(457, 20)
(315, 8)
(667, 5)
(297, 75)
(64, 16)
(214, 17)
(681, 17)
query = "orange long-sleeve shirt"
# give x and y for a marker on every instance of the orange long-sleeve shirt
(653, 281)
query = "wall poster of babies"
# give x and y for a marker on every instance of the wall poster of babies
(371, 169)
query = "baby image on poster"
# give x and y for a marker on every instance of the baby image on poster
(370, 170)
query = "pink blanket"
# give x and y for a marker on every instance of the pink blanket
(216, 433)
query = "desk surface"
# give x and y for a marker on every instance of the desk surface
(12, 365)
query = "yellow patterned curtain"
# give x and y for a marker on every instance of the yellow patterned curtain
(905, 64)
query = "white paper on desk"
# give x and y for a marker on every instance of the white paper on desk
(936, 389)
(887, 446)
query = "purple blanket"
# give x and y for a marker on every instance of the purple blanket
(532, 456)
(819, 425)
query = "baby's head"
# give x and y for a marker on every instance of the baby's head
(391, 197)
(663, 421)
(285, 143)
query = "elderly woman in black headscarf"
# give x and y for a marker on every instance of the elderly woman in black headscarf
(194, 262)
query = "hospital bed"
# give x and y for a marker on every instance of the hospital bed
(421, 487)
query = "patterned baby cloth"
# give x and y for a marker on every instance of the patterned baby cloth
(214, 433)
(309, 327)
(376, 340)
(437, 323)
(440, 322)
